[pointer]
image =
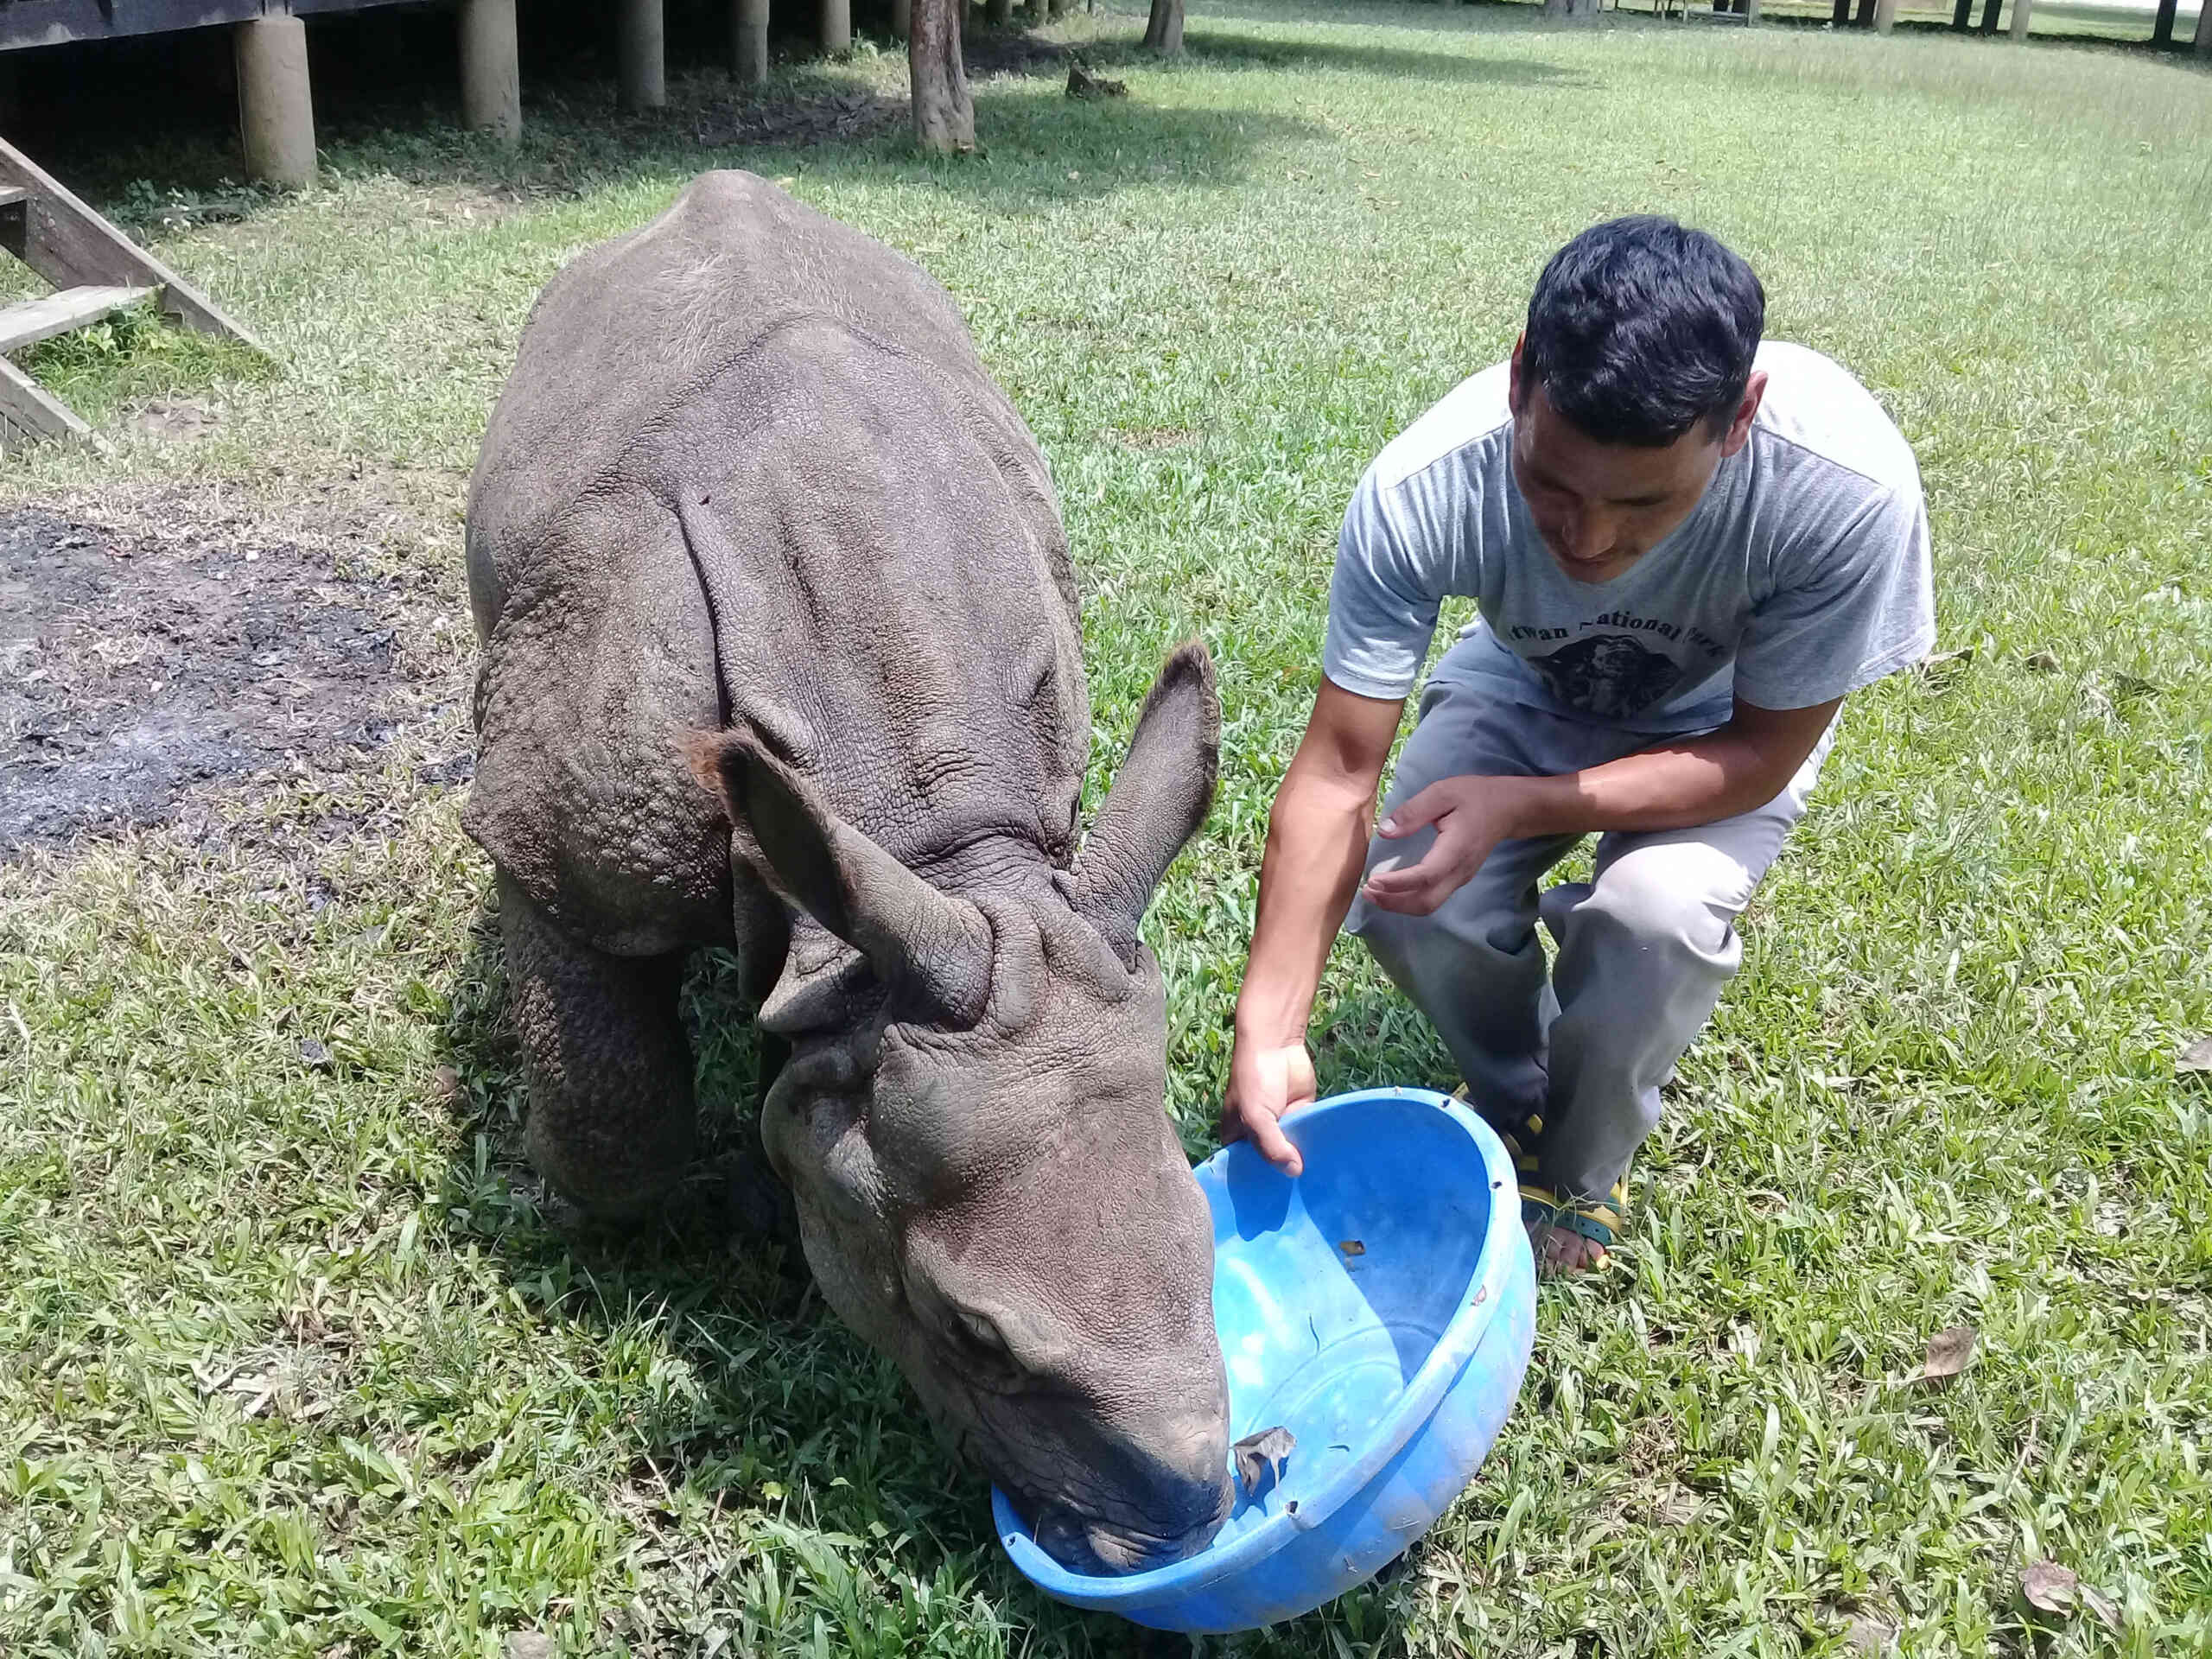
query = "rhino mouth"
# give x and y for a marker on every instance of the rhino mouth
(1101, 1549)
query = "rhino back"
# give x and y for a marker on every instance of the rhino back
(748, 467)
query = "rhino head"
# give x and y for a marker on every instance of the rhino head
(972, 1123)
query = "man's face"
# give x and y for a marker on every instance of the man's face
(1601, 506)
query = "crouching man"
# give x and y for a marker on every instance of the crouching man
(1687, 550)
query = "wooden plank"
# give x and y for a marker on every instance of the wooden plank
(28, 412)
(2203, 44)
(70, 246)
(12, 194)
(51, 22)
(28, 322)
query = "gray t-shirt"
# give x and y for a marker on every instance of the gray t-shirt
(1801, 574)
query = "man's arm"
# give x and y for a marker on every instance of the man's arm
(1677, 784)
(1317, 845)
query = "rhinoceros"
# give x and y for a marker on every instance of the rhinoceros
(780, 652)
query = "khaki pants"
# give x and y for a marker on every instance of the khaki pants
(1644, 947)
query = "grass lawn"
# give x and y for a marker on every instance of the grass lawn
(294, 1361)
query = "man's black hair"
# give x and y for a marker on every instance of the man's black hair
(1640, 328)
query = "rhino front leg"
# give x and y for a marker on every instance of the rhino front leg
(607, 1070)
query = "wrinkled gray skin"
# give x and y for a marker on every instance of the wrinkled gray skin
(780, 653)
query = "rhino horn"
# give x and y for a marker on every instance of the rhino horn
(930, 946)
(1158, 800)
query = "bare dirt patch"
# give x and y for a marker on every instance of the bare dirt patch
(140, 663)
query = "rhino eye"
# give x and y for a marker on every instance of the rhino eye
(982, 1333)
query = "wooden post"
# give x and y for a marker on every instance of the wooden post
(1751, 12)
(837, 27)
(2162, 32)
(275, 106)
(641, 55)
(1962, 15)
(491, 80)
(2204, 29)
(1885, 15)
(2020, 10)
(1841, 17)
(1989, 9)
(1002, 13)
(748, 23)
(1865, 19)
(902, 19)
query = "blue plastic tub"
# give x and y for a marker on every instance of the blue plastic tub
(1382, 1307)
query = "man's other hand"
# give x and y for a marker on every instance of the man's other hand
(1472, 815)
(1264, 1083)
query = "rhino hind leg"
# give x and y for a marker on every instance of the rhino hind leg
(607, 1070)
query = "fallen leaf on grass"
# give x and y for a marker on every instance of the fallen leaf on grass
(314, 1052)
(445, 1083)
(2049, 1586)
(1257, 1453)
(2197, 1057)
(2044, 662)
(1939, 666)
(1948, 1353)
(1864, 1635)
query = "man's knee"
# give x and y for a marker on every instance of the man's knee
(1671, 896)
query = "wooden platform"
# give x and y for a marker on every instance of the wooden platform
(55, 22)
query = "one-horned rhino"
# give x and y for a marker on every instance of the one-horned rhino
(780, 653)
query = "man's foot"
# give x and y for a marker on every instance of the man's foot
(1560, 1250)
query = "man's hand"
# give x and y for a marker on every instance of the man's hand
(1472, 815)
(1264, 1083)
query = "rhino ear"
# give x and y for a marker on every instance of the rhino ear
(930, 945)
(1158, 801)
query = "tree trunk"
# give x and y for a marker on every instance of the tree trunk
(1164, 32)
(944, 116)
(748, 25)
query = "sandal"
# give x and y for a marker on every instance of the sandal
(1520, 1138)
(1599, 1220)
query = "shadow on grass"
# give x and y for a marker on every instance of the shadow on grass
(786, 1394)
(792, 1415)
(1211, 47)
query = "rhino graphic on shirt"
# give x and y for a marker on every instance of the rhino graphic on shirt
(1613, 675)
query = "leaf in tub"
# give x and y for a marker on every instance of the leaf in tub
(1258, 1454)
(1352, 1246)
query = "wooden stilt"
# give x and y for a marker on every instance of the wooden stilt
(837, 26)
(1989, 10)
(642, 55)
(1885, 15)
(749, 41)
(902, 18)
(275, 106)
(490, 76)
(1962, 15)
(2203, 46)
(2020, 10)
(2162, 32)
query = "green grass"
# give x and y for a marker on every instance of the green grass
(292, 1360)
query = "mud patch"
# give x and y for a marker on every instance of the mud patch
(138, 668)
(801, 122)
